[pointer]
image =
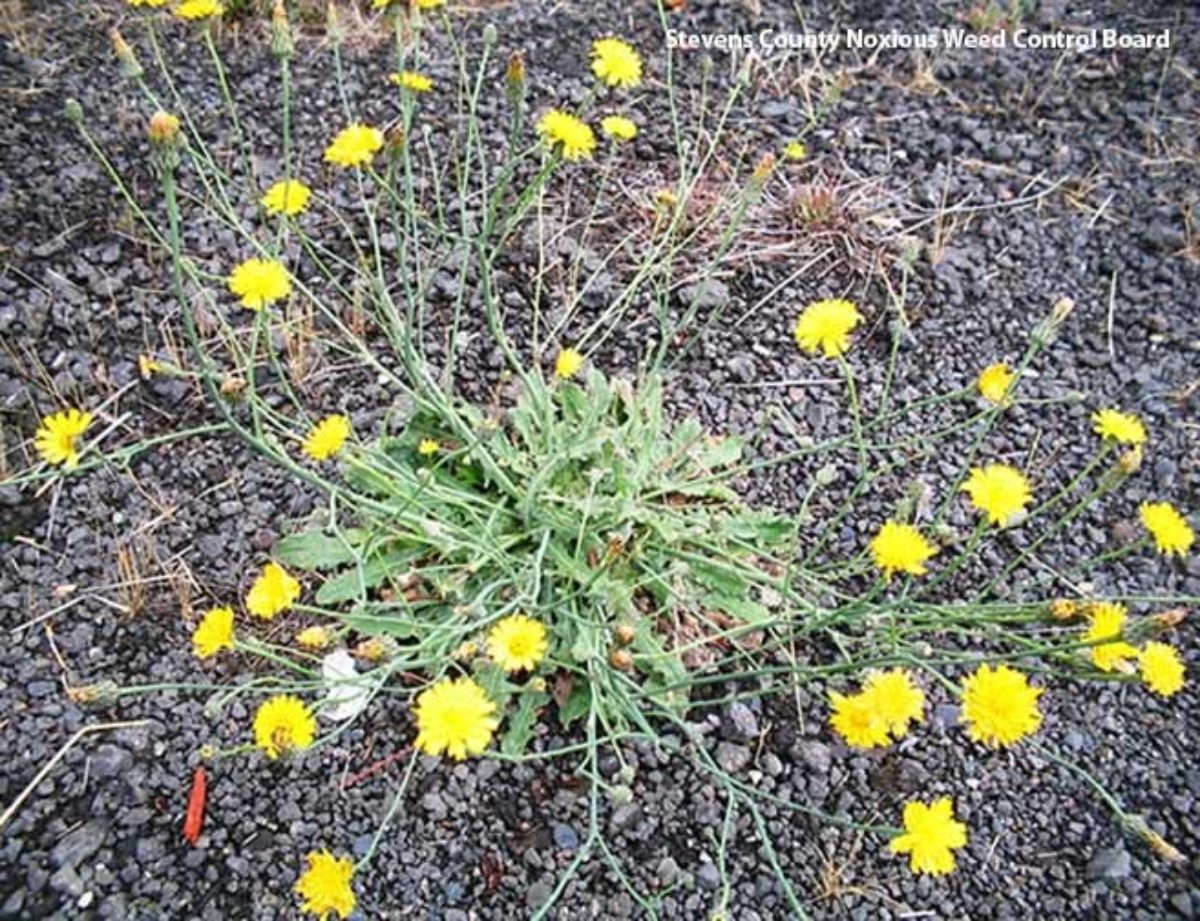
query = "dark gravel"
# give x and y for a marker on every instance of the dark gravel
(1106, 141)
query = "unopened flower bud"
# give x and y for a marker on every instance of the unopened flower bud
(396, 139)
(625, 634)
(1064, 609)
(490, 35)
(620, 659)
(1170, 619)
(514, 78)
(281, 32)
(1129, 462)
(131, 69)
(333, 25)
(73, 110)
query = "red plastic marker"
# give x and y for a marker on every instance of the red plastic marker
(194, 820)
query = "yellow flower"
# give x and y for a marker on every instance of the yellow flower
(1000, 706)
(995, 382)
(410, 80)
(283, 724)
(354, 146)
(325, 885)
(858, 720)
(901, 548)
(517, 643)
(57, 438)
(573, 136)
(148, 367)
(1108, 622)
(826, 326)
(1162, 669)
(313, 637)
(419, 4)
(999, 491)
(427, 447)
(213, 633)
(327, 437)
(146, 2)
(931, 833)
(795, 150)
(1064, 609)
(1125, 428)
(274, 590)
(568, 363)
(1171, 531)
(163, 127)
(895, 698)
(618, 127)
(259, 282)
(454, 716)
(288, 196)
(616, 62)
(199, 9)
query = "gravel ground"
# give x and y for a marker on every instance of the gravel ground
(1056, 175)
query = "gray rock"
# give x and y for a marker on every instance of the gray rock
(78, 845)
(110, 760)
(709, 876)
(814, 755)
(565, 837)
(1110, 863)
(740, 722)
(732, 758)
(667, 872)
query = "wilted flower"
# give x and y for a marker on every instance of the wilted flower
(456, 717)
(1064, 609)
(283, 724)
(288, 196)
(57, 438)
(325, 885)
(618, 127)
(901, 548)
(354, 146)
(1124, 428)
(281, 31)
(327, 437)
(826, 326)
(570, 135)
(999, 491)
(568, 363)
(931, 834)
(1171, 532)
(517, 643)
(514, 78)
(616, 62)
(131, 68)
(213, 633)
(1000, 707)
(275, 590)
(259, 282)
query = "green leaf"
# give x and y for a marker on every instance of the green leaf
(577, 704)
(722, 580)
(494, 681)
(318, 550)
(743, 609)
(380, 624)
(520, 725)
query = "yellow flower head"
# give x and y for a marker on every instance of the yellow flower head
(858, 720)
(163, 127)
(199, 9)
(57, 438)
(213, 633)
(1161, 667)
(146, 2)
(1000, 706)
(327, 437)
(325, 885)
(571, 135)
(568, 363)
(427, 447)
(901, 548)
(616, 62)
(419, 4)
(517, 643)
(1107, 623)
(1125, 428)
(411, 80)
(618, 127)
(795, 151)
(454, 716)
(1064, 609)
(283, 724)
(995, 382)
(895, 698)
(826, 326)
(274, 590)
(288, 196)
(354, 146)
(1170, 530)
(999, 491)
(259, 282)
(314, 638)
(931, 834)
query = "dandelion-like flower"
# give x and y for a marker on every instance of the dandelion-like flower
(1107, 623)
(1171, 532)
(325, 885)
(573, 137)
(146, 2)
(354, 146)
(163, 128)
(57, 438)
(795, 151)
(858, 720)
(327, 437)
(411, 80)
(283, 724)
(568, 363)
(901, 548)
(1161, 668)
(616, 62)
(896, 699)
(274, 590)
(826, 326)
(199, 9)
(213, 633)
(931, 835)
(1124, 428)
(995, 382)
(1000, 706)
(259, 282)
(999, 491)
(618, 127)
(455, 716)
(314, 638)
(427, 447)
(517, 643)
(288, 196)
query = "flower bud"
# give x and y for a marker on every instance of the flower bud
(1129, 462)
(281, 32)
(73, 110)
(762, 172)
(625, 634)
(620, 659)
(514, 78)
(131, 69)
(490, 35)
(1064, 609)
(333, 25)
